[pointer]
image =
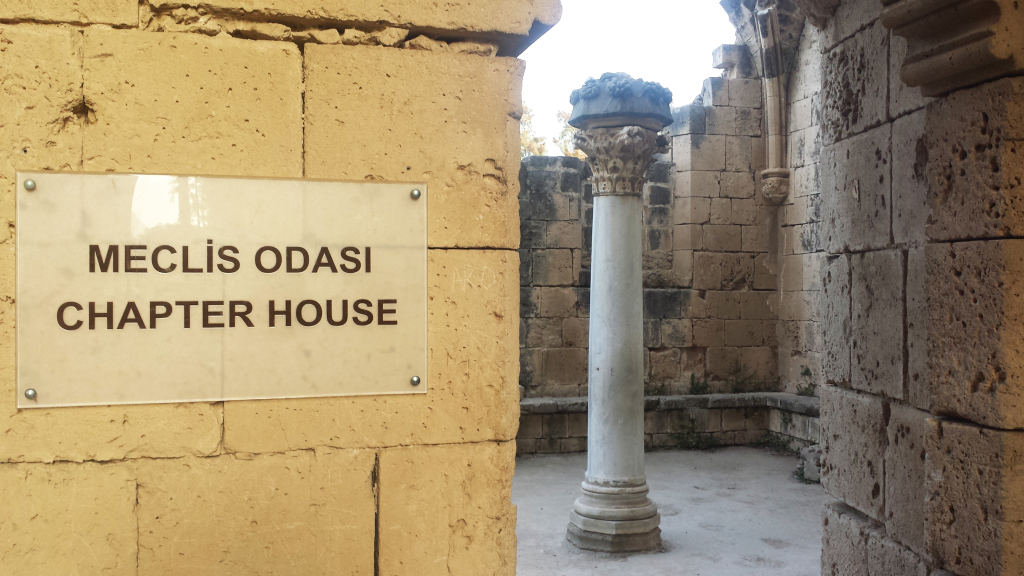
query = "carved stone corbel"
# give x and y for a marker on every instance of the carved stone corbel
(775, 185)
(953, 44)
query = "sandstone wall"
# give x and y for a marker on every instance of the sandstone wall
(799, 247)
(921, 418)
(722, 339)
(721, 232)
(346, 90)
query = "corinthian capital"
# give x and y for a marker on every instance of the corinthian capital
(619, 157)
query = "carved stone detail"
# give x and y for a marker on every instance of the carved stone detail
(620, 157)
(954, 44)
(775, 186)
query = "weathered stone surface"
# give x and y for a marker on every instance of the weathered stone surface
(975, 509)
(472, 332)
(975, 329)
(706, 184)
(701, 152)
(818, 11)
(877, 322)
(687, 120)
(186, 103)
(552, 267)
(68, 519)
(902, 98)
(856, 191)
(975, 162)
(805, 147)
(887, 557)
(744, 93)
(851, 17)
(284, 514)
(835, 320)
(114, 12)
(853, 441)
(106, 433)
(379, 114)
(490, 17)
(905, 476)
(446, 510)
(39, 129)
(963, 43)
(854, 88)
(910, 209)
(735, 60)
(844, 550)
(919, 385)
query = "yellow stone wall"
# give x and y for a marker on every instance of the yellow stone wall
(389, 485)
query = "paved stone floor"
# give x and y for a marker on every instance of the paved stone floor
(727, 512)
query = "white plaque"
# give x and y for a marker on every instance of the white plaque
(142, 289)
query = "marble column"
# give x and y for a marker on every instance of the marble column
(619, 119)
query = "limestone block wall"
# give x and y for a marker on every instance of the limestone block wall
(339, 90)
(555, 299)
(559, 425)
(721, 233)
(722, 339)
(921, 418)
(800, 252)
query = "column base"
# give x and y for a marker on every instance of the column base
(614, 519)
(601, 542)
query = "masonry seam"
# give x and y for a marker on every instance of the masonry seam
(138, 529)
(375, 479)
(906, 346)
(302, 93)
(120, 460)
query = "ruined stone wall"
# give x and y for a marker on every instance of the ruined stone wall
(720, 234)
(921, 426)
(709, 297)
(555, 299)
(799, 246)
(336, 90)
(874, 406)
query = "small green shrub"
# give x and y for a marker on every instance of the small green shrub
(775, 443)
(807, 387)
(690, 439)
(699, 387)
(740, 381)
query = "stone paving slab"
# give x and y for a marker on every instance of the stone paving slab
(728, 512)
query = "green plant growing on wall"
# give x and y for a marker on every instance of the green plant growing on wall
(699, 387)
(775, 443)
(807, 387)
(690, 439)
(740, 381)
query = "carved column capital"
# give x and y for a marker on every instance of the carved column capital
(620, 157)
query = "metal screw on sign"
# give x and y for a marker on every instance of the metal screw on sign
(416, 194)
(30, 393)
(415, 380)
(30, 185)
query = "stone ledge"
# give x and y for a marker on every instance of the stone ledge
(805, 405)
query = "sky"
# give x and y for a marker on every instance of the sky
(665, 41)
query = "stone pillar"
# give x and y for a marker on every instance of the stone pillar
(619, 119)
